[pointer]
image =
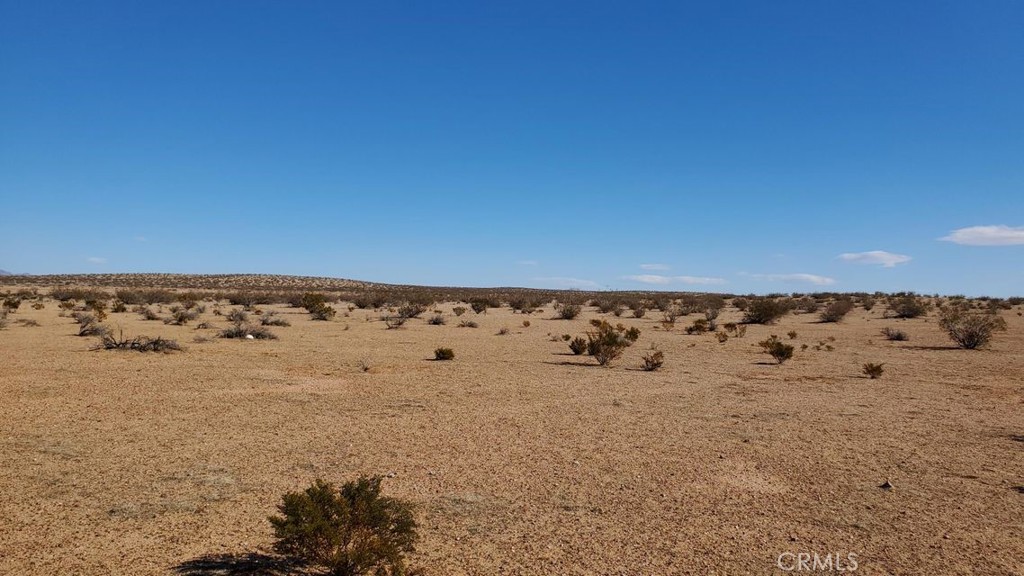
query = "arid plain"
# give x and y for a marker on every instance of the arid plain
(520, 457)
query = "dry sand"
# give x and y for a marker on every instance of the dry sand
(521, 458)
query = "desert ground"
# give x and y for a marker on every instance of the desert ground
(521, 458)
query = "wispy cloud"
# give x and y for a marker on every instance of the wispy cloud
(999, 235)
(801, 277)
(886, 259)
(528, 262)
(655, 267)
(96, 260)
(565, 282)
(664, 280)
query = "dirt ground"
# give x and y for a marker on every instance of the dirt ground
(521, 458)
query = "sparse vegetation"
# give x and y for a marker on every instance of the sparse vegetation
(568, 310)
(459, 310)
(894, 334)
(139, 343)
(272, 319)
(444, 354)
(607, 342)
(970, 330)
(653, 360)
(777, 349)
(836, 310)
(907, 306)
(872, 371)
(436, 320)
(468, 324)
(764, 311)
(578, 345)
(354, 531)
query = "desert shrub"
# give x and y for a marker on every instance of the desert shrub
(722, 337)
(444, 354)
(118, 307)
(237, 316)
(89, 324)
(639, 311)
(807, 305)
(764, 311)
(64, 294)
(607, 342)
(242, 329)
(145, 296)
(181, 316)
(26, 322)
(138, 344)
(894, 334)
(322, 312)
(711, 317)
(38, 306)
(741, 303)
(526, 323)
(272, 319)
(872, 370)
(353, 531)
(503, 331)
(3, 318)
(459, 310)
(436, 320)
(394, 322)
(777, 349)
(11, 304)
(468, 324)
(699, 326)
(907, 306)
(411, 310)
(578, 345)
(479, 306)
(792, 334)
(867, 302)
(653, 360)
(147, 313)
(836, 310)
(309, 301)
(970, 330)
(568, 310)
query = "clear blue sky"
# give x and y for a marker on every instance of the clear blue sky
(740, 146)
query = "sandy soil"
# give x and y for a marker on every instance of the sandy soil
(521, 458)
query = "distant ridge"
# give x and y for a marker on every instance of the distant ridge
(5, 273)
(192, 281)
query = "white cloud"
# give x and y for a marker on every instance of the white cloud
(1000, 235)
(663, 280)
(564, 282)
(655, 267)
(886, 259)
(808, 278)
(96, 260)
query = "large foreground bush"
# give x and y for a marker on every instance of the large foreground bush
(351, 531)
(970, 330)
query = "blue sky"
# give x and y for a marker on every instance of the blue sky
(740, 147)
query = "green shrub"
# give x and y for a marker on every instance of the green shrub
(970, 330)
(444, 354)
(777, 349)
(353, 531)
(322, 312)
(459, 310)
(836, 310)
(479, 306)
(699, 326)
(907, 306)
(764, 311)
(607, 342)
(568, 310)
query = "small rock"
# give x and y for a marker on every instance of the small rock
(886, 485)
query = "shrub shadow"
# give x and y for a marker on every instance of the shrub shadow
(245, 564)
